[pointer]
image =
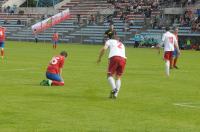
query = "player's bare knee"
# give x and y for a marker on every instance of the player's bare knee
(118, 77)
(109, 75)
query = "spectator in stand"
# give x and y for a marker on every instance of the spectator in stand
(19, 22)
(194, 25)
(78, 18)
(43, 17)
(110, 19)
(122, 16)
(108, 1)
(198, 27)
(12, 11)
(198, 12)
(189, 2)
(92, 20)
(5, 22)
(131, 23)
(98, 16)
(7, 9)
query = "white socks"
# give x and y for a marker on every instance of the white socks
(118, 85)
(167, 66)
(115, 85)
(111, 80)
(49, 82)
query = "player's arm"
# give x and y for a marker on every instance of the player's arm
(177, 46)
(101, 53)
(161, 44)
(61, 74)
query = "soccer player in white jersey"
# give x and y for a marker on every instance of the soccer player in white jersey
(170, 42)
(117, 62)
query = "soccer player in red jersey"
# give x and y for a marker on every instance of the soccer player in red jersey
(54, 70)
(55, 38)
(2, 39)
(117, 62)
(175, 53)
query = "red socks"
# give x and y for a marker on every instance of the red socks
(2, 53)
(54, 46)
(171, 62)
(56, 83)
(175, 60)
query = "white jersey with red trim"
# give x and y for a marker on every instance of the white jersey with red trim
(169, 40)
(116, 47)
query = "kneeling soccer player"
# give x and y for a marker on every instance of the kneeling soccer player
(54, 70)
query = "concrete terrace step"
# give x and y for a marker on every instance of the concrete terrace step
(92, 41)
(12, 25)
(32, 39)
(91, 34)
(94, 29)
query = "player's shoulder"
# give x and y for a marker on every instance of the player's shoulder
(172, 34)
(61, 58)
(111, 40)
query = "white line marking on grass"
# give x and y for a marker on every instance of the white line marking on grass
(18, 69)
(188, 105)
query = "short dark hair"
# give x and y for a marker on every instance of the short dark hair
(167, 28)
(64, 53)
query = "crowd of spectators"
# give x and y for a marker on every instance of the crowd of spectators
(196, 22)
(18, 22)
(123, 9)
(9, 9)
(188, 19)
(176, 3)
(126, 7)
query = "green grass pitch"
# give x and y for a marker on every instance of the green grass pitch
(148, 100)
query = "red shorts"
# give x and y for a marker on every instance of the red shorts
(116, 65)
(168, 55)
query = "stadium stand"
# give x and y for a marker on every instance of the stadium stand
(69, 25)
(47, 3)
(88, 24)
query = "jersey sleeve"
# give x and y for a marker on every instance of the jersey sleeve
(62, 61)
(175, 40)
(163, 39)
